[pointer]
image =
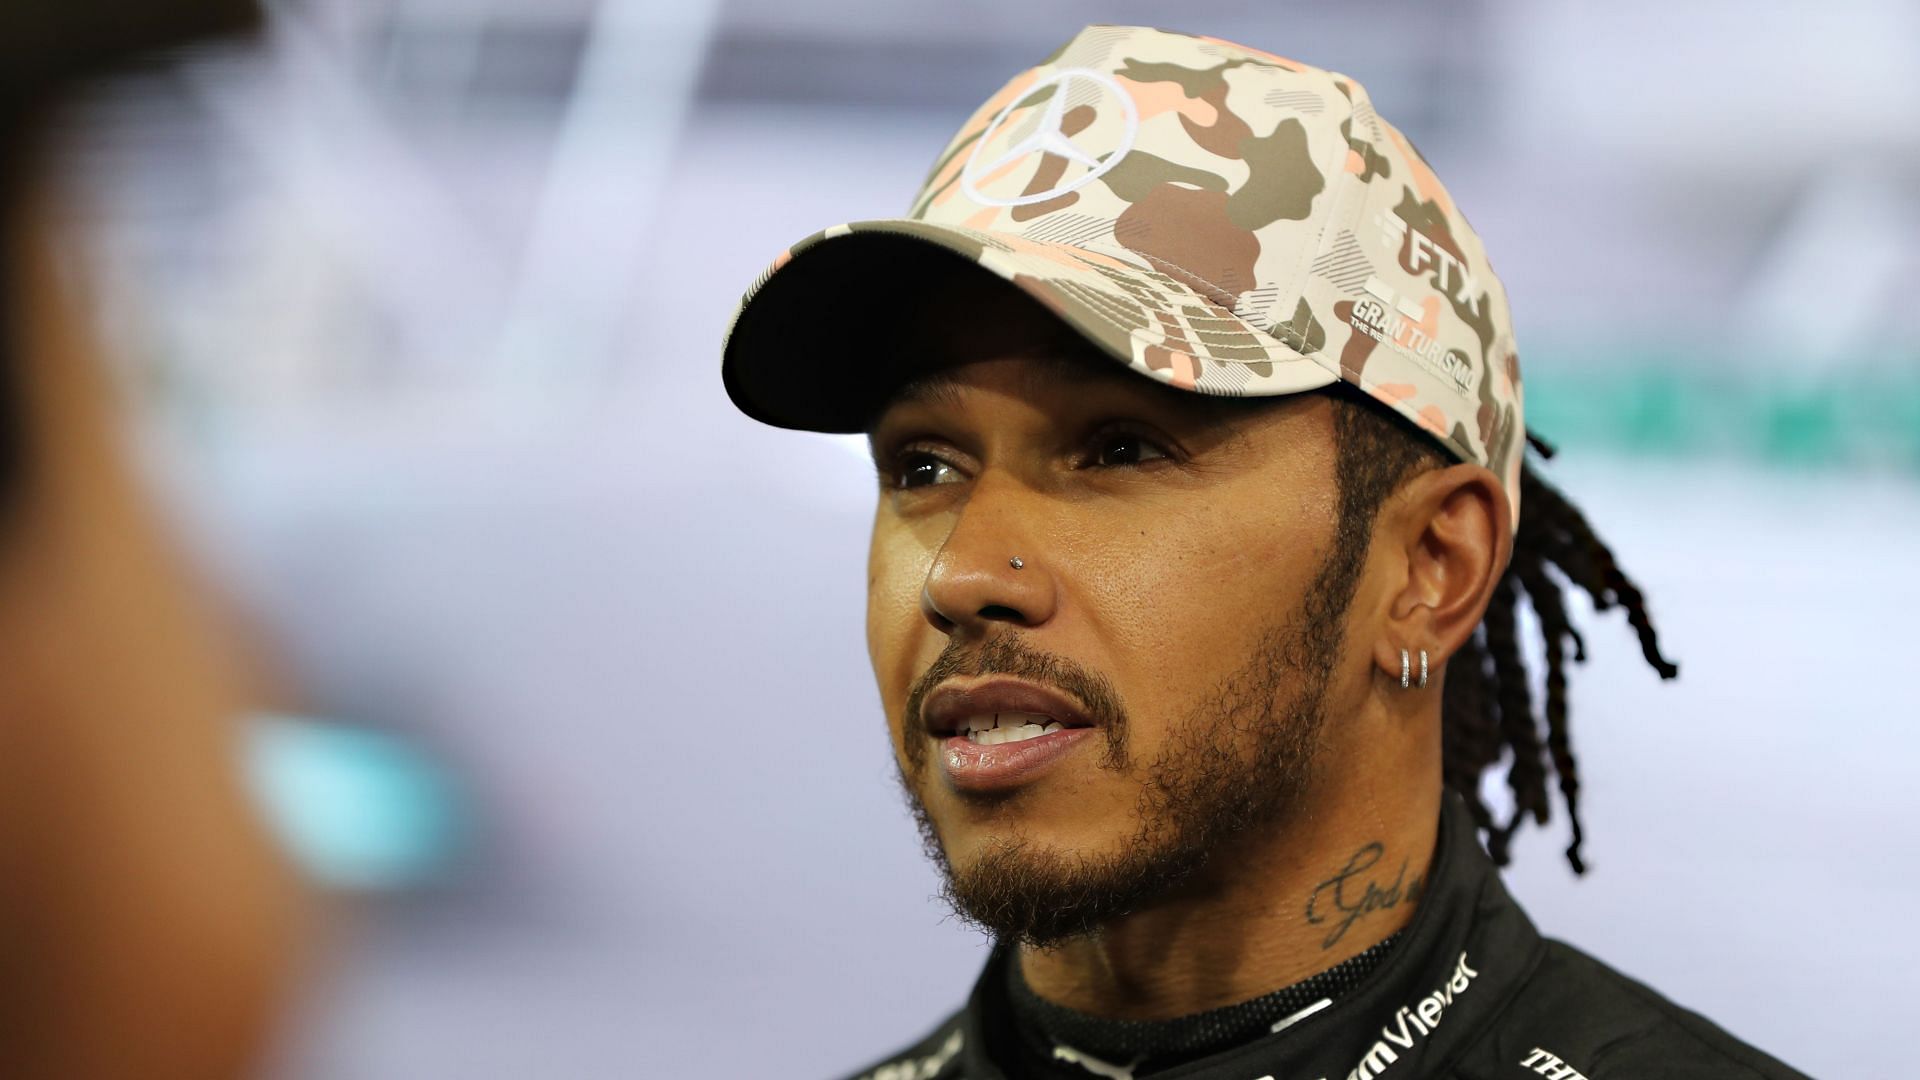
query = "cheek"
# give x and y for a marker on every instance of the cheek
(897, 633)
(1188, 598)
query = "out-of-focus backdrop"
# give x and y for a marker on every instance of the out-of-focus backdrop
(420, 307)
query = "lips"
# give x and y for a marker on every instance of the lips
(1002, 733)
(950, 708)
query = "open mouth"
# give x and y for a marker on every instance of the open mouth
(999, 710)
(1001, 733)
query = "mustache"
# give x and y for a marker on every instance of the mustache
(1008, 655)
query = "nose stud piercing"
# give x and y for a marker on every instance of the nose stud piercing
(1016, 562)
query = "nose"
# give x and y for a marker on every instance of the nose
(974, 582)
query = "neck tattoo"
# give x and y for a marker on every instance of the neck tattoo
(1357, 891)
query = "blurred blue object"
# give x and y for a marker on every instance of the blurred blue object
(359, 810)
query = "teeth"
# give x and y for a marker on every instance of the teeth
(1006, 735)
(1008, 727)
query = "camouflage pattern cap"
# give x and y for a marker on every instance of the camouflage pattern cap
(1218, 218)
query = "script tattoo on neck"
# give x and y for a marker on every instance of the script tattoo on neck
(1342, 899)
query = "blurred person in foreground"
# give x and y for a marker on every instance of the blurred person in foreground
(148, 927)
(1203, 527)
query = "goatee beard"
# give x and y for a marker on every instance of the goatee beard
(1238, 762)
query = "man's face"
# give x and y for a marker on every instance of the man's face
(1175, 613)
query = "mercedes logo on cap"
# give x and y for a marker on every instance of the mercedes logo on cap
(1047, 138)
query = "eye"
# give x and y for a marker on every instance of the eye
(918, 468)
(1125, 448)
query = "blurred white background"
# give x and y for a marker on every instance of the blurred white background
(421, 306)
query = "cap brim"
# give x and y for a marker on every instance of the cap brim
(809, 346)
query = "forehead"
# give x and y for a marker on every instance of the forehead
(1070, 384)
(1036, 372)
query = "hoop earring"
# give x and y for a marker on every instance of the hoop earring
(1405, 670)
(1423, 669)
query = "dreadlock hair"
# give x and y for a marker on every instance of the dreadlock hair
(1487, 712)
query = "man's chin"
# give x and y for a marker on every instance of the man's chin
(1023, 887)
(1025, 838)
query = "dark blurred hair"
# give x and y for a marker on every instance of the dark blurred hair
(47, 47)
(1488, 712)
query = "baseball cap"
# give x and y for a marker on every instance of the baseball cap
(1215, 217)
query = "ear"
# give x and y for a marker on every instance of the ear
(1451, 531)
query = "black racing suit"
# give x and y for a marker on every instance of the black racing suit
(1470, 990)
